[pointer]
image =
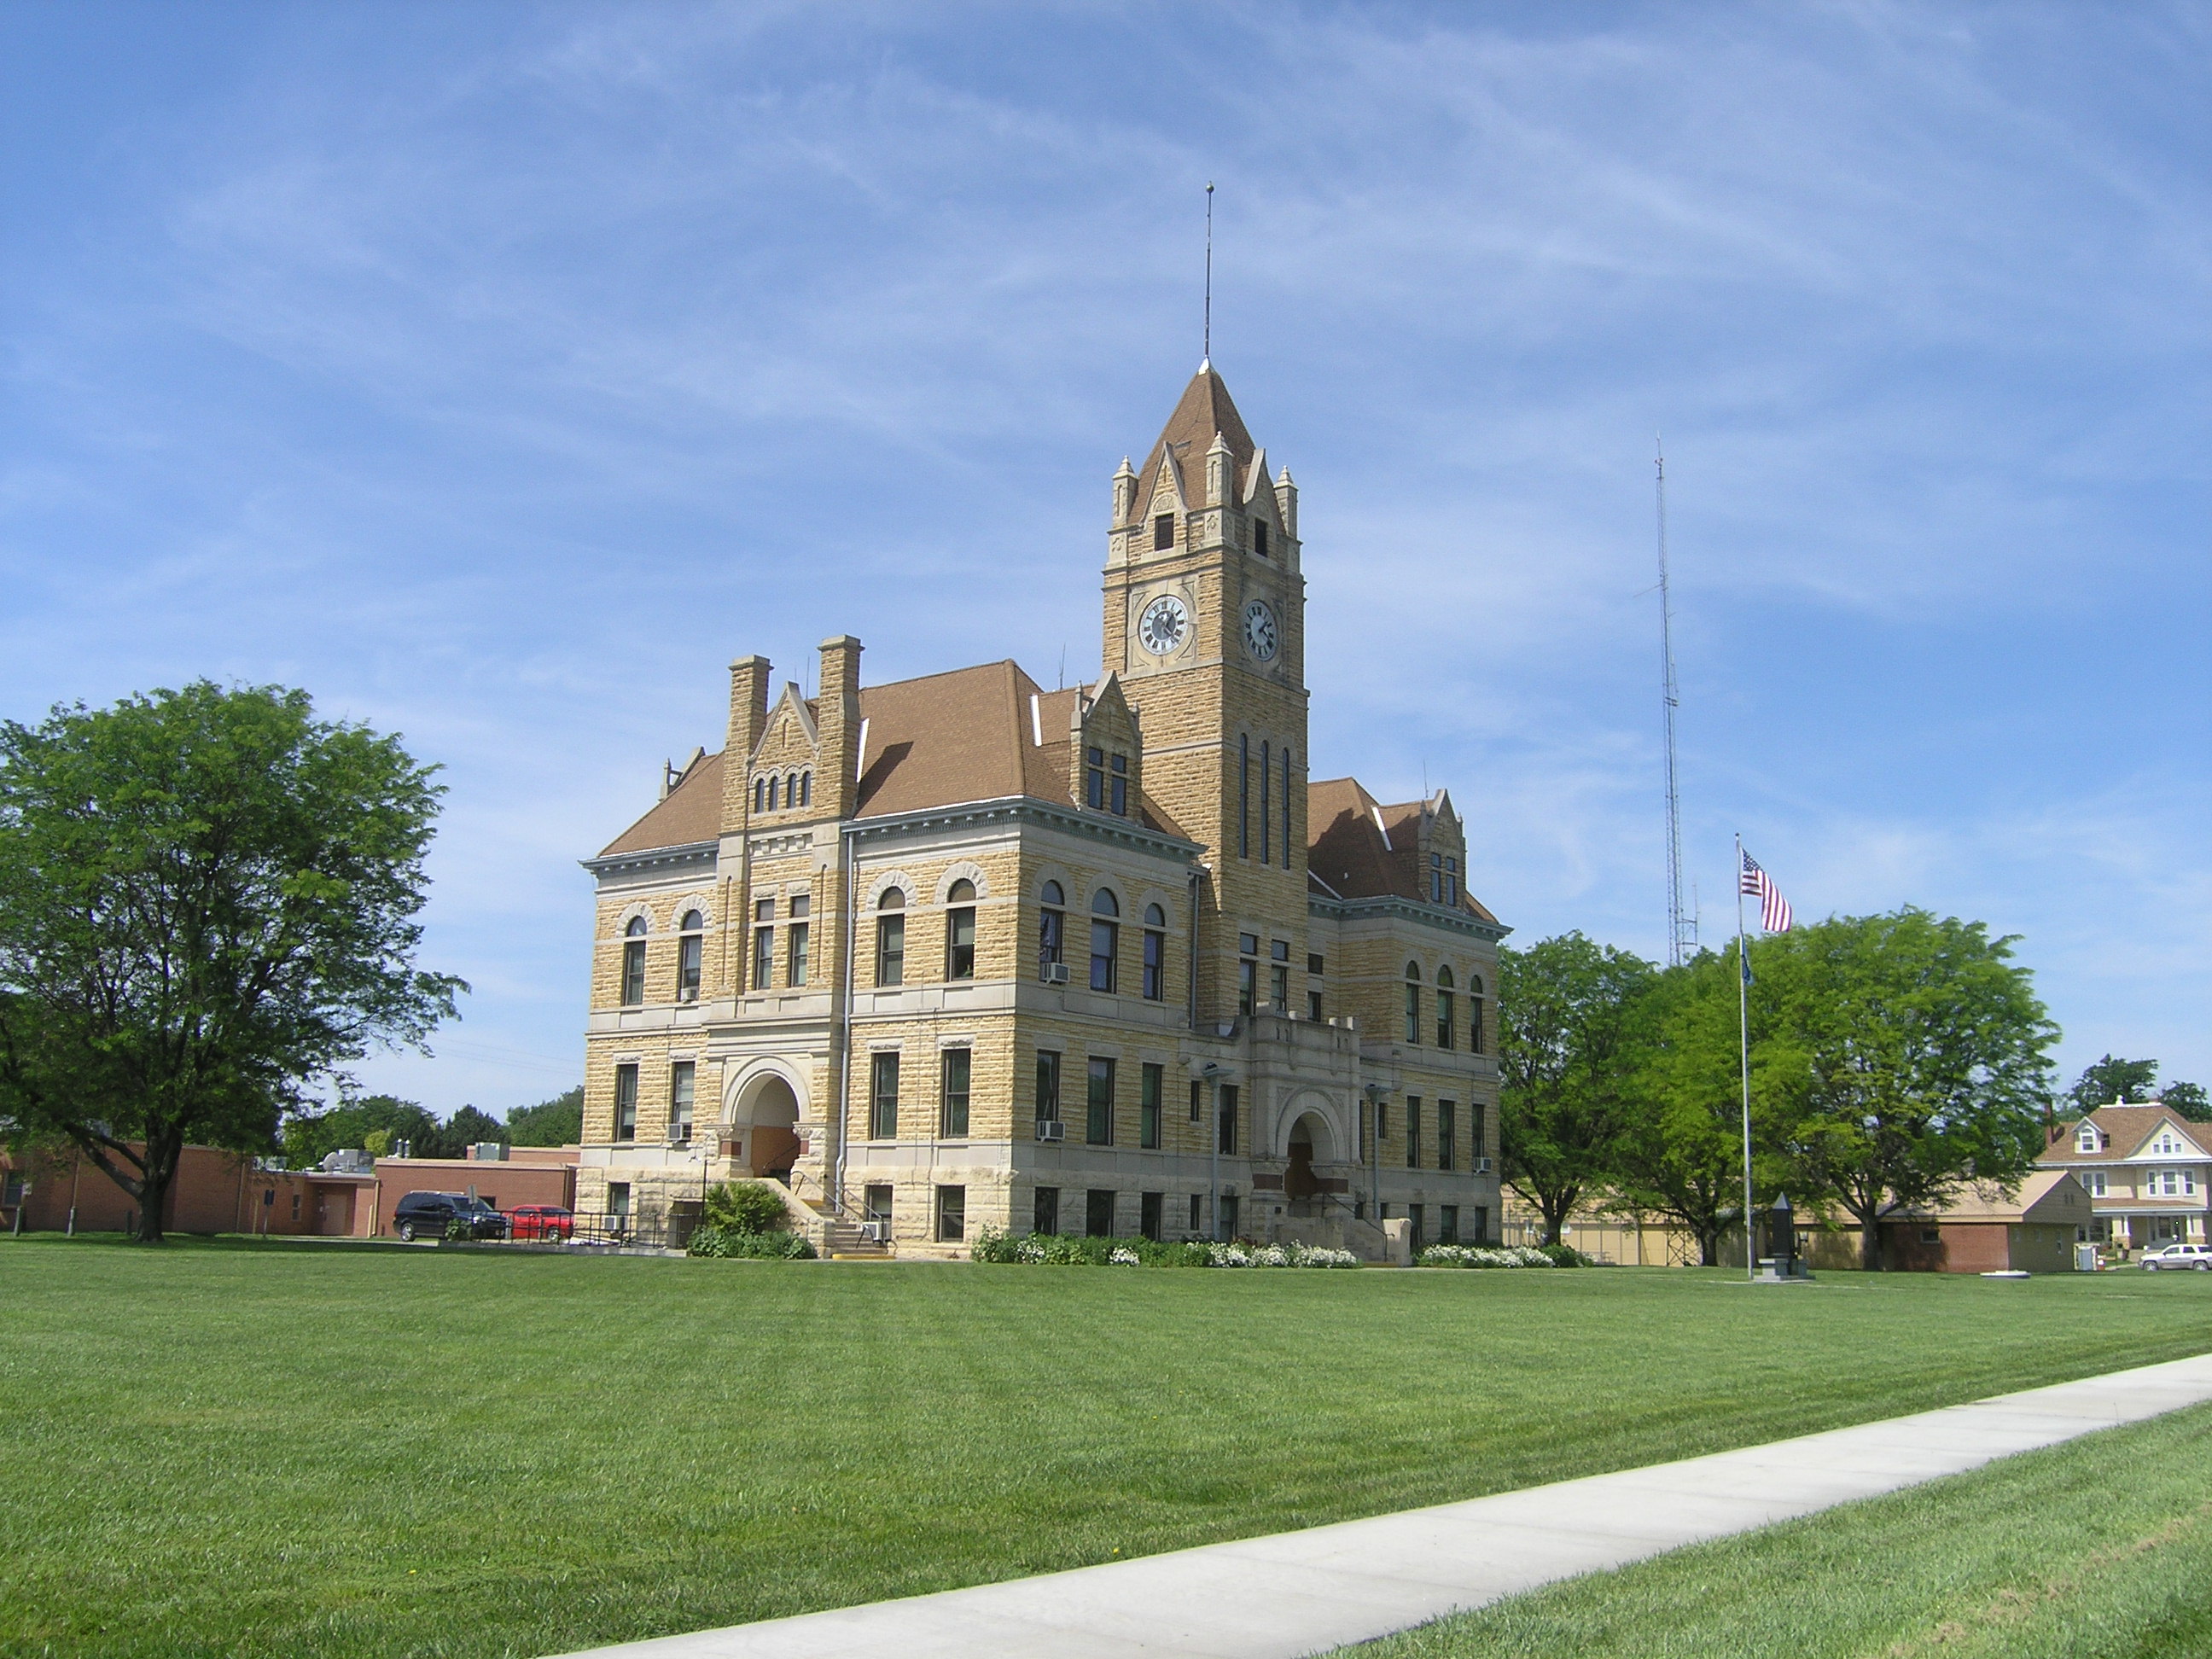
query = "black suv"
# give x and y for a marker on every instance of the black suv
(428, 1215)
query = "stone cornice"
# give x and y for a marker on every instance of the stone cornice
(1391, 907)
(1027, 810)
(654, 858)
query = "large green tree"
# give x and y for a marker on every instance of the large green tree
(1574, 1029)
(206, 901)
(1907, 1058)
(2111, 1080)
(556, 1122)
(2188, 1099)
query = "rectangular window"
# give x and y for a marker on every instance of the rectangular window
(1412, 1012)
(683, 1089)
(1413, 1216)
(1482, 1225)
(1443, 1020)
(1259, 537)
(1105, 947)
(1163, 532)
(1286, 807)
(2096, 1179)
(1436, 877)
(794, 954)
(1047, 1087)
(1278, 989)
(1313, 1007)
(1094, 778)
(1051, 930)
(1044, 1210)
(953, 1104)
(618, 1199)
(1447, 1135)
(1117, 788)
(1230, 1218)
(1267, 818)
(1451, 881)
(1448, 1223)
(1149, 1218)
(876, 1207)
(882, 1096)
(1155, 959)
(1197, 1102)
(1149, 1083)
(952, 1215)
(1412, 1132)
(633, 973)
(1098, 1212)
(691, 954)
(1197, 1219)
(764, 909)
(1248, 972)
(960, 943)
(1228, 1125)
(1474, 1024)
(763, 957)
(890, 949)
(1477, 1121)
(1098, 1121)
(625, 1103)
(1244, 797)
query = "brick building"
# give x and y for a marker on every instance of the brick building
(958, 951)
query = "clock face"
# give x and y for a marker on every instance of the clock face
(1165, 625)
(1260, 631)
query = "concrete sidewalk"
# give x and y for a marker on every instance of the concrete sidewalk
(1300, 1593)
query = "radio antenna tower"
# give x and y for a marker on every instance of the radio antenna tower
(1681, 929)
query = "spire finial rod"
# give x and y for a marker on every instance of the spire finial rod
(1206, 355)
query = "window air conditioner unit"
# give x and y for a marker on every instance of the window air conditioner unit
(876, 1232)
(1482, 1166)
(1055, 973)
(1049, 1128)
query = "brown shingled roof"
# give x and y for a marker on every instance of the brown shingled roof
(690, 812)
(2129, 1129)
(1203, 410)
(1350, 853)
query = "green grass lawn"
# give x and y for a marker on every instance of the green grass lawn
(305, 1449)
(2098, 1549)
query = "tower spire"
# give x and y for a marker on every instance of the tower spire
(1206, 352)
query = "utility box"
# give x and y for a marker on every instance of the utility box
(2085, 1258)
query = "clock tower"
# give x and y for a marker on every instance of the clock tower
(1205, 626)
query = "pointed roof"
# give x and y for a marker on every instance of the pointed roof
(2127, 1128)
(1203, 410)
(1364, 850)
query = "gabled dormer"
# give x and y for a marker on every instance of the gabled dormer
(2088, 1139)
(1105, 749)
(1440, 852)
(785, 762)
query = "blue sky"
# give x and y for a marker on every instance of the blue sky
(498, 373)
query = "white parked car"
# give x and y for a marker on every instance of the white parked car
(2198, 1256)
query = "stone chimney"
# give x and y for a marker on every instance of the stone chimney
(747, 720)
(837, 718)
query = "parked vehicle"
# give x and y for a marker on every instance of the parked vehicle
(428, 1215)
(541, 1221)
(2198, 1256)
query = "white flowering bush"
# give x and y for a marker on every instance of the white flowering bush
(1482, 1255)
(1124, 1258)
(1277, 1256)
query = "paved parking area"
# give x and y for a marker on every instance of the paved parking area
(1299, 1593)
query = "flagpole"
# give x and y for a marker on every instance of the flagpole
(1743, 1032)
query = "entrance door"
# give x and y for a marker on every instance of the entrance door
(1298, 1180)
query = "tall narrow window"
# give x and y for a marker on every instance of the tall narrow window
(1098, 1212)
(1436, 877)
(960, 930)
(1098, 1122)
(1248, 971)
(1052, 928)
(1094, 778)
(763, 957)
(1451, 881)
(790, 791)
(1044, 1210)
(1149, 1220)
(1163, 532)
(952, 1110)
(882, 1096)
(1447, 1134)
(760, 794)
(1259, 537)
(1266, 780)
(1047, 1087)
(682, 1095)
(1150, 1082)
(1445, 1038)
(632, 962)
(1474, 1013)
(1412, 1132)
(1279, 976)
(890, 938)
(1244, 797)
(1413, 1002)
(806, 788)
(1475, 1125)
(1197, 1102)
(1226, 1130)
(1156, 954)
(1105, 940)
(625, 1103)
(690, 956)
(1286, 807)
(952, 1215)
(794, 942)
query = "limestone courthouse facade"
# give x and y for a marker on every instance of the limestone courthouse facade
(959, 951)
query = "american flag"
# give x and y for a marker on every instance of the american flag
(1773, 908)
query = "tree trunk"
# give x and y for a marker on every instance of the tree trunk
(164, 1151)
(1557, 1206)
(1709, 1247)
(1871, 1242)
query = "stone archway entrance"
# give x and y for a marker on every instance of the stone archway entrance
(769, 1114)
(1299, 1181)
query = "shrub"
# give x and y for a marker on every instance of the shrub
(745, 1207)
(992, 1244)
(1480, 1256)
(709, 1238)
(1566, 1255)
(1061, 1250)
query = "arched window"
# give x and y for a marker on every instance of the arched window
(1445, 1035)
(760, 794)
(1105, 940)
(960, 930)
(632, 962)
(1156, 954)
(890, 937)
(791, 790)
(690, 954)
(1474, 1024)
(1052, 929)
(806, 788)
(1413, 1002)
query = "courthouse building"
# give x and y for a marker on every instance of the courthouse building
(958, 951)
